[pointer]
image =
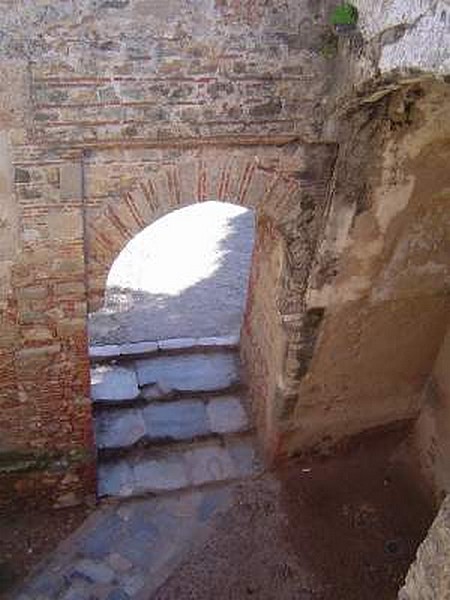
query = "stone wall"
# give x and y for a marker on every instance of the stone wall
(104, 71)
(264, 341)
(116, 113)
(45, 429)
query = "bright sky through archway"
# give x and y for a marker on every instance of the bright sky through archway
(177, 251)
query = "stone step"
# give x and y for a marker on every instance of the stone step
(157, 472)
(109, 352)
(176, 421)
(164, 377)
(190, 373)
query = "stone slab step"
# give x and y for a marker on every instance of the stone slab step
(201, 464)
(182, 420)
(113, 383)
(136, 349)
(164, 376)
(190, 373)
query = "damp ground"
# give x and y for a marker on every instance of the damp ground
(342, 528)
(345, 527)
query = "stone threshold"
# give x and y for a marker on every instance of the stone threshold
(135, 349)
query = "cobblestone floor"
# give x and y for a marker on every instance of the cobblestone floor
(185, 275)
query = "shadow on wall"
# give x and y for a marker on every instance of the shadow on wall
(184, 276)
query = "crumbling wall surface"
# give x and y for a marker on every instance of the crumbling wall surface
(429, 576)
(433, 426)
(407, 34)
(382, 274)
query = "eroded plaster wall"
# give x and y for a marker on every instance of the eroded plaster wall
(433, 426)
(407, 34)
(382, 274)
(429, 575)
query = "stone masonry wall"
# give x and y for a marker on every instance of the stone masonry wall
(264, 341)
(106, 71)
(120, 112)
(115, 112)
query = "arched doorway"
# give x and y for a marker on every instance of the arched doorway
(285, 186)
(166, 375)
(184, 276)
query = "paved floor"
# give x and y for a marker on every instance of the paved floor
(127, 550)
(323, 529)
(185, 275)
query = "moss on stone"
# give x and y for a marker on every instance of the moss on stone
(344, 14)
(26, 461)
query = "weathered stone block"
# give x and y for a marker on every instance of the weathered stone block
(195, 373)
(176, 420)
(209, 464)
(21, 175)
(113, 383)
(119, 429)
(65, 225)
(227, 415)
(71, 182)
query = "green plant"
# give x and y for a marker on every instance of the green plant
(344, 14)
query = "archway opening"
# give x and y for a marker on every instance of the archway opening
(170, 407)
(184, 276)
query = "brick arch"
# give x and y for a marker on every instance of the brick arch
(286, 187)
(246, 181)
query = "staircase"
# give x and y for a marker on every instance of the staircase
(170, 415)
